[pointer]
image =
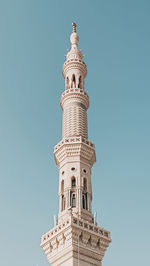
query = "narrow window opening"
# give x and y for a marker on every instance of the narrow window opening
(79, 85)
(63, 203)
(73, 201)
(73, 83)
(73, 182)
(62, 196)
(62, 187)
(84, 201)
(67, 83)
(85, 184)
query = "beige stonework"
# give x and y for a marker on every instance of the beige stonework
(76, 239)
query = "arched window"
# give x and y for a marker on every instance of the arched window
(73, 182)
(85, 184)
(73, 83)
(62, 187)
(79, 85)
(73, 200)
(83, 202)
(67, 83)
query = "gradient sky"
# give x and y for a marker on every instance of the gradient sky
(115, 38)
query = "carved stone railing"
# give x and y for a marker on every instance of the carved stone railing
(91, 227)
(82, 224)
(56, 230)
(76, 90)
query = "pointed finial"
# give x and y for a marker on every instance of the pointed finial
(74, 27)
(74, 36)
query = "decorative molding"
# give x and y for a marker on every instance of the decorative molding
(74, 64)
(76, 146)
(73, 232)
(76, 94)
(74, 140)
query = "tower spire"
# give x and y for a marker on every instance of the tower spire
(74, 38)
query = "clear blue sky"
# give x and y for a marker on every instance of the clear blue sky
(115, 38)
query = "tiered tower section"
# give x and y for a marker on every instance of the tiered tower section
(75, 154)
(76, 237)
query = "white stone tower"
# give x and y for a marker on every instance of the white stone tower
(76, 239)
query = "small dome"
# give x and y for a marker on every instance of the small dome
(74, 38)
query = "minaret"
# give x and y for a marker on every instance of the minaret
(76, 239)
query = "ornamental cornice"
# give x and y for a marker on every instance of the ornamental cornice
(75, 94)
(73, 232)
(74, 139)
(74, 64)
(75, 147)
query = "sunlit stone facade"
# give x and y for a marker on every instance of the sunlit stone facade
(76, 239)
